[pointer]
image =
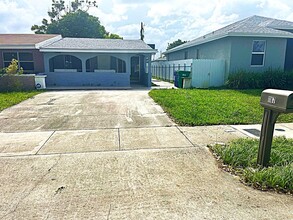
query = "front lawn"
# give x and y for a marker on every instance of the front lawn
(8, 99)
(240, 157)
(212, 107)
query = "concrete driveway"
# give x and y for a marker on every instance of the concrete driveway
(117, 155)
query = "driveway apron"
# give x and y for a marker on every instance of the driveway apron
(117, 155)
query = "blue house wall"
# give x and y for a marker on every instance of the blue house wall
(96, 79)
(241, 52)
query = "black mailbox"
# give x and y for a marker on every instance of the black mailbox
(274, 102)
(277, 100)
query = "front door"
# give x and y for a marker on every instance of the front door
(135, 69)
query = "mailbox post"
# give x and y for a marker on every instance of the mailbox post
(274, 102)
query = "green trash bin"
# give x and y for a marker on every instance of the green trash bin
(182, 74)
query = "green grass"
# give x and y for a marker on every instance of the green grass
(8, 99)
(213, 107)
(240, 156)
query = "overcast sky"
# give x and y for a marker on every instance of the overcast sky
(165, 20)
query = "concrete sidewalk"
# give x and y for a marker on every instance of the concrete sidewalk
(117, 155)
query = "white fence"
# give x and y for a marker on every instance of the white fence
(204, 73)
(165, 69)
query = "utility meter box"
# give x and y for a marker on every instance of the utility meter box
(277, 100)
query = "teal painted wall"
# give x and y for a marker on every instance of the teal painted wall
(241, 52)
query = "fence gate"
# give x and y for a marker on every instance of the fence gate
(208, 73)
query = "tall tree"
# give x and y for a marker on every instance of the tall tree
(78, 24)
(73, 21)
(175, 44)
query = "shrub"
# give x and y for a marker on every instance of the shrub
(271, 78)
(274, 79)
(13, 68)
(13, 82)
(2, 72)
(244, 80)
(289, 80)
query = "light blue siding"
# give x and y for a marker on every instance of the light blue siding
(241, 52)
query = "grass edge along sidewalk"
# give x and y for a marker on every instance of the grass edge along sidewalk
(239, 157)
(194, 107)
(213, 107)
(8, 99)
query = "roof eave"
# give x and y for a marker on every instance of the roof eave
(230, 34)
(52, 50)
(204, 40)
(48, 41)
(18, 47)
(270, 35)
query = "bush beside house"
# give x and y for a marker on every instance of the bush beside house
(274, 79)
(13, 79)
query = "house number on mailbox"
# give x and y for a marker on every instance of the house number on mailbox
(271, 100)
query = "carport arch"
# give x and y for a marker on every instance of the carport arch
(65, 62)
(105, 62)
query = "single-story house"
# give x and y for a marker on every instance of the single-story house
(253, 44)
(97, 62)
(77, 62)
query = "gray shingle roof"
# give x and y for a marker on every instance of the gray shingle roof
(252, 26)
(98, 44)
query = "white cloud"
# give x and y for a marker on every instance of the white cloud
(165, 20)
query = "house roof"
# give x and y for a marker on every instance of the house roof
(97, 45)
(26, 41)
(255, 26)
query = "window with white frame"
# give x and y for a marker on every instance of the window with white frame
(258, 52)
(25, 60)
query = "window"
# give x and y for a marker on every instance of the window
(186, 55)
(258, 52)
(25, 60)
(7, 58)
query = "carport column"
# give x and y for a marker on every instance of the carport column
(149, 70)
(46, 62)
(127, 64)
(83, 64)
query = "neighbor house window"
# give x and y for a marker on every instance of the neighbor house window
(25, 60)
(258, 53)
